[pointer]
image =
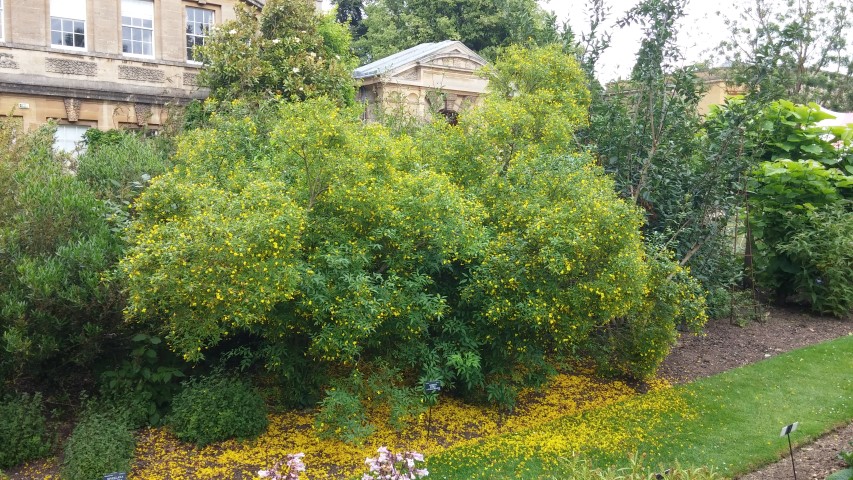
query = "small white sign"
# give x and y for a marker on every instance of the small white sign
(24, 106)
(787, 429)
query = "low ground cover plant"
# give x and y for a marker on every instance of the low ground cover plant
(23, 435)
(100, 444)
(216, 408)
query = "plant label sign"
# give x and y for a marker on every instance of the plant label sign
(116, 476)
(787, 429)
(432, 387)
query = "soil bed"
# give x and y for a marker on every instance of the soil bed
(725, 346)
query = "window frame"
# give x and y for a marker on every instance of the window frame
(187, 34)
(133, 27)
(60, 126)
(62, 20)
(62, 46)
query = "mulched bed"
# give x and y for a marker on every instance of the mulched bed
(725, 346)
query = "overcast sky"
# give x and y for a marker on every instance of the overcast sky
(702, 30)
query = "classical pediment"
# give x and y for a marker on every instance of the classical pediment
(454, 60)
(410, 74)
(405, 65)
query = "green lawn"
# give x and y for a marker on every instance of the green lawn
(730, 421)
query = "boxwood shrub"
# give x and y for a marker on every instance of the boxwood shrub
(215, 408)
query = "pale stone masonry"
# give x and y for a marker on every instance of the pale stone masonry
(102, 63)
(429, 78)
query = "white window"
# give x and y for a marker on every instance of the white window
(68, 137)
(137, 27)
(68, 24)
(199, 24)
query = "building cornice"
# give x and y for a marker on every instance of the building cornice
(93, 55)
(95, 90)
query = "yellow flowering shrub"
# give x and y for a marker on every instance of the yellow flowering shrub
(466, 255)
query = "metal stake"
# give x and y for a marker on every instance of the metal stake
(791, 449)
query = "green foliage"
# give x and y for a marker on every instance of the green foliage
(821, 250)
(739, 306)
(55, 244)
(117, 164)
(22, 430)
(634, 345)
(845, 474)
(216, 408)
(143, 385)
(648, 134)
(95, 138)
(342, 415)
(484, 26)
(786, 204)
(785, 130)
(847, 455)
(539, 98)
(99, 444)
(344, 410)
(287, 51)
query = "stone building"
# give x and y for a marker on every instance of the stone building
(102, 63)
(423, 80)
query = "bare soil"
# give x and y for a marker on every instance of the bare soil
(725, 346)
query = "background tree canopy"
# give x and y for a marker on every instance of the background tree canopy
(390, 26)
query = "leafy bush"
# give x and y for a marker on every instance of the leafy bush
(344, 410)
(288, 51)
(99, 444)
(788, 131)
(55, 243)
(22, 430)
(845, 474)
(143, 385)
(118, 164)
(800, 223)
(469, 255)
(822, 252)
(216, 408)
(636, 344)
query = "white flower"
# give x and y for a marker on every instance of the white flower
(312, 54)
(296, 39)
(295, 69)
(232, 31)
(275, 40)
(263, 473)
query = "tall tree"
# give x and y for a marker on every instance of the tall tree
(649, 136)
(794, 50)
(351, 12)
(287, 51)
(483, 25)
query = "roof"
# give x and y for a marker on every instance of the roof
(405, 57)
(257, 3)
